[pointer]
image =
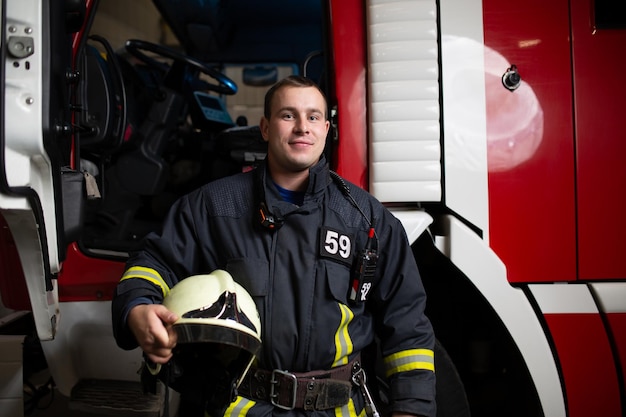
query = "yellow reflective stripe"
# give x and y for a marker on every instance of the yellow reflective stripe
(148, 274)
(348, 410)
(343, 342)
(239, 407)
(409, 360)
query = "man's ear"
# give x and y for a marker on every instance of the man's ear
(264, 125)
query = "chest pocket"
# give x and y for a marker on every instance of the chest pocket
(338, 281)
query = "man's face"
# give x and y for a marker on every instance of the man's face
(296, 130)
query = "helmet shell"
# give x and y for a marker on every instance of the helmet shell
(214, 308)
(218, 336)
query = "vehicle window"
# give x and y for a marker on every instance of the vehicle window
(248, 102)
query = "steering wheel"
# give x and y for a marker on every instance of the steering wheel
(135, 47)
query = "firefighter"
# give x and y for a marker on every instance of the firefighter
(329, 268)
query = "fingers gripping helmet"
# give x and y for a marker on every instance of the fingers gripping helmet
(219, 336)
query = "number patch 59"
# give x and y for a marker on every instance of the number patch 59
(336, 245)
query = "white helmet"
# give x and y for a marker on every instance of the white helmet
(219, 335)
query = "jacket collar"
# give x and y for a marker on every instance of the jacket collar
(319, 179)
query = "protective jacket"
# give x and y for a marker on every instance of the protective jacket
(300, 274)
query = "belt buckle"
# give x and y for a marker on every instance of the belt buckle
(274, 395)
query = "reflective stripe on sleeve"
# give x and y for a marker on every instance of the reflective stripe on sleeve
(409, 360)
(343, 342)
(239, 407)
(149, 275)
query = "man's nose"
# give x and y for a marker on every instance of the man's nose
(302, 125)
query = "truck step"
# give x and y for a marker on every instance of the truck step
(119, 398)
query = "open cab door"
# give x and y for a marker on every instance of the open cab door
(35, 145)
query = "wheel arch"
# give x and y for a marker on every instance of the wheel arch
(489, 328)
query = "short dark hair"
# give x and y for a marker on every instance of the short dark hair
(290, 81)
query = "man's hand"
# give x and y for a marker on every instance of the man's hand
(152, 326)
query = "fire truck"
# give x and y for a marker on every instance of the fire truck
(493, 130)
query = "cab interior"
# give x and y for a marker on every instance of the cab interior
(163, 114)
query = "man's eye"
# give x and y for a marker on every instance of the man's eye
(287, 116)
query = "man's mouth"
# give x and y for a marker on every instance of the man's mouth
(300, 142)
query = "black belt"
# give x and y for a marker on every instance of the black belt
(315, 390)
